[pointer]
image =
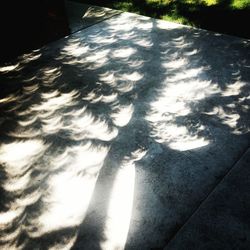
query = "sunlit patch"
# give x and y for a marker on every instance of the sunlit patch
(145, 25)
(94, 12)
(105, 40)
(135, 76)
(189, 143)
(109, 98)
(51, 94)
(89, 127)
(17, 156)
(128, 35)
(144, 43)
(9, 239)
(9, 98)
(122, 24)
(123, 115)
(29, 89)
(165, 25)
(228, 118)
(108, 78)
(24, 132)
(93, 97)
(75, 49)
(78, 112)
(120, 205)
(233, 89)
(48, 71)
(99, 57)
(125, 86)
(27, 121)
(236, 72)
(78, 51)
(65, 208)
(17, 183)
(177, 99)
(34, 55)
(49, 75)
(244, 99)
(123, 52)
(28, 199)
(191, 53)
(52, 125)
(191, 90)
(30, 79)
(136, 63)
(178, 137)
(70, 189)
(6, 69)
(180, 42)
(9, 216)
(188, 73)
(57, 102)
(175, 64)
(120, 208)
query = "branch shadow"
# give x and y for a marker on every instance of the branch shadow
(131, 91)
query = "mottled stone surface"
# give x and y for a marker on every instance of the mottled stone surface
(222, 222)
(114, 136)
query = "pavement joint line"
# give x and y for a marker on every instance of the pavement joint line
(88, 26)
(207, 197)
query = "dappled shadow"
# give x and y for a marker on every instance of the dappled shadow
(82, 16)
(103, 133)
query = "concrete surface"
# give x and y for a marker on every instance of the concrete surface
(222, 222)
(113, 137)
(82, 15)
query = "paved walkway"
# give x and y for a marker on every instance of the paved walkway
(131, 133)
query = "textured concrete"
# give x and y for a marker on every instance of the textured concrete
(113, 137)
(222, 222)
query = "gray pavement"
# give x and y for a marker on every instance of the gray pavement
(222, 221)
(81, 16)
(115, 136)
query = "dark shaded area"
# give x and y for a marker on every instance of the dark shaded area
(30, 24)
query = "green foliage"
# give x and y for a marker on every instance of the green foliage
(226, 16)
(124, 6)
(240, 4)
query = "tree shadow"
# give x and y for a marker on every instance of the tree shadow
(129, 93)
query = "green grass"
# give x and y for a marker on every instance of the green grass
(225, 16)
